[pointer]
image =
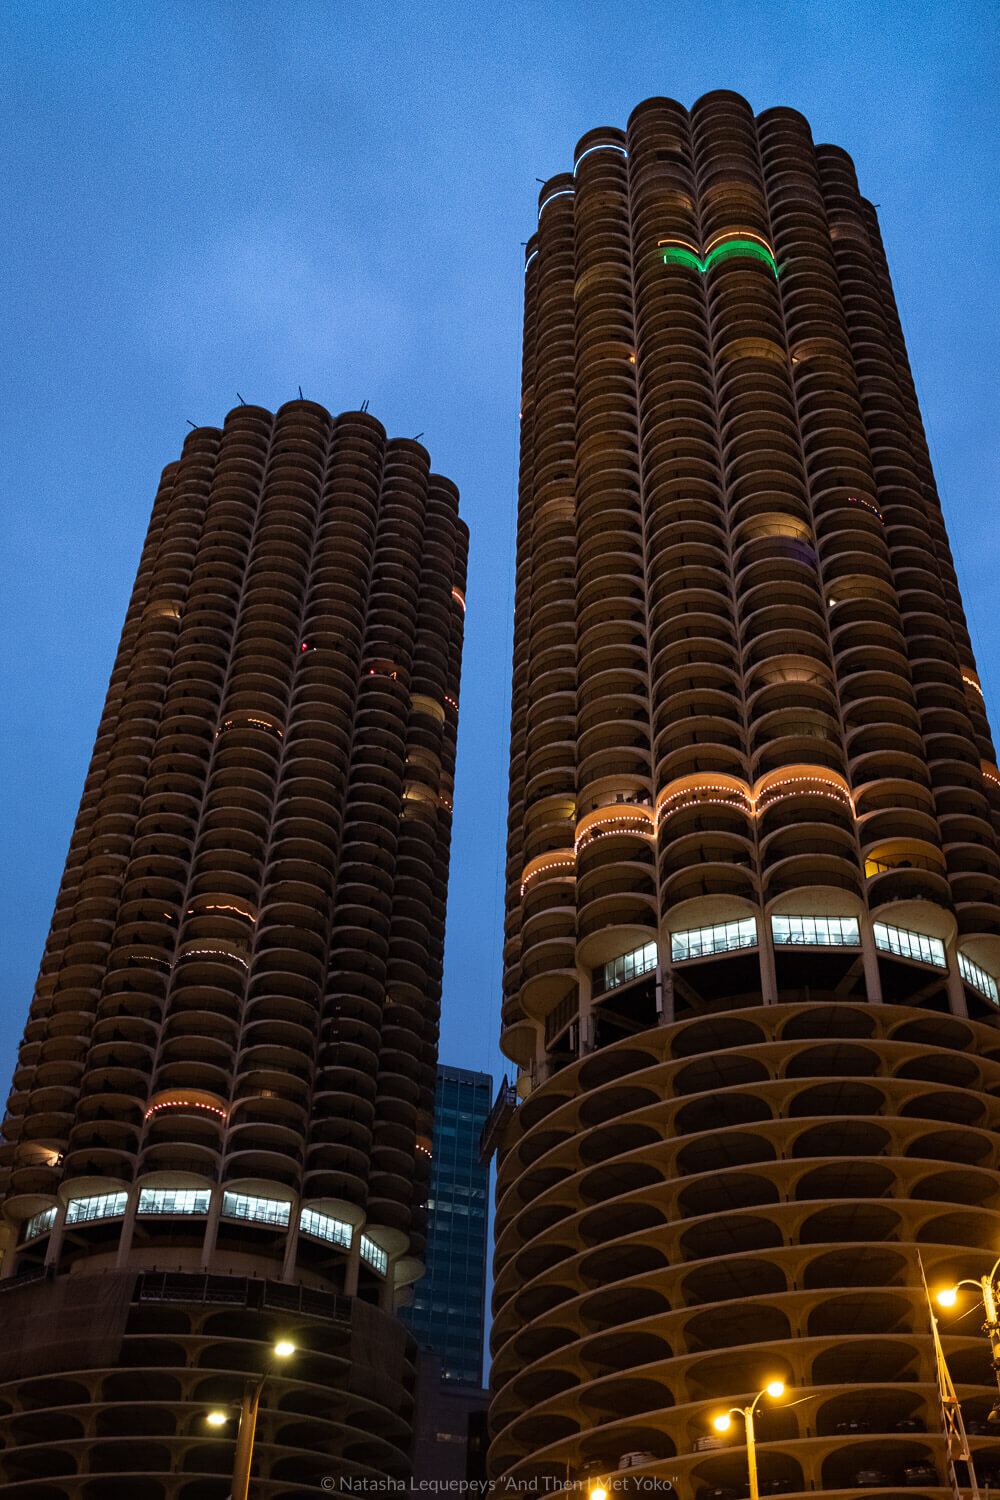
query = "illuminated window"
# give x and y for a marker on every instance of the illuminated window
(625, 968)
(102, 1206)
(978, 978)
(816, 932)
(162, 609)
(701, 942)
(897, 940)
(323, 1227)
(374, 1255)
(174, 1200)
(40, 1224)
(257, 1210)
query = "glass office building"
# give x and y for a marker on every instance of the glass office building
(447, 1310)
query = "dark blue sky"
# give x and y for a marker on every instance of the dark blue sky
(206, 198)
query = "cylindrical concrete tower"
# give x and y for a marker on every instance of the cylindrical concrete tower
(219, 1129)
(753, 885)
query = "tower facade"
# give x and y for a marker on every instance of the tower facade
(218, 1133)
(752, 931)
(449, 1300)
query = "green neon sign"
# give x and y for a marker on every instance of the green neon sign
(677, 255)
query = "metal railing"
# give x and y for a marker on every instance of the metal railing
(242, 1291)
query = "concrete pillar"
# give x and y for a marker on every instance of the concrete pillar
(212, 1226)
(585, 1010)
(768, 970)
(664, 990)
(353, 1263)
(956, 988)
(54, 1250)
(291, 1243)
(128, 1226)
(387, 1291)
(8, 1248)
(869, 954)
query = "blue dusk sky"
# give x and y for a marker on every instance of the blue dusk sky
(203, 198)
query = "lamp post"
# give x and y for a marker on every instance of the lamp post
(987, 1290)
(723, 1422)
(248, 1423)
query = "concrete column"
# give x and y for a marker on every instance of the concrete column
(291, 1243)
(353, 1263)
(212, 1226)
(956, 988)
(128, 1226)
(585, 1010)
(8, 1248)
(664, 991)
(765, 951)
(387, 1291)
(869, 954)
(54, 1250)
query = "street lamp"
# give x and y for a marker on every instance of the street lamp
(724, 1421)
(248, 1423)
(948, 1296)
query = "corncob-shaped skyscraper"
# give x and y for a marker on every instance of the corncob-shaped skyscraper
(753, 885)
(219, 1129)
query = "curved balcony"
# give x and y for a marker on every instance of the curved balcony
(719, 802)
(784, 1203)
(904, 868)
(159, 1445)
